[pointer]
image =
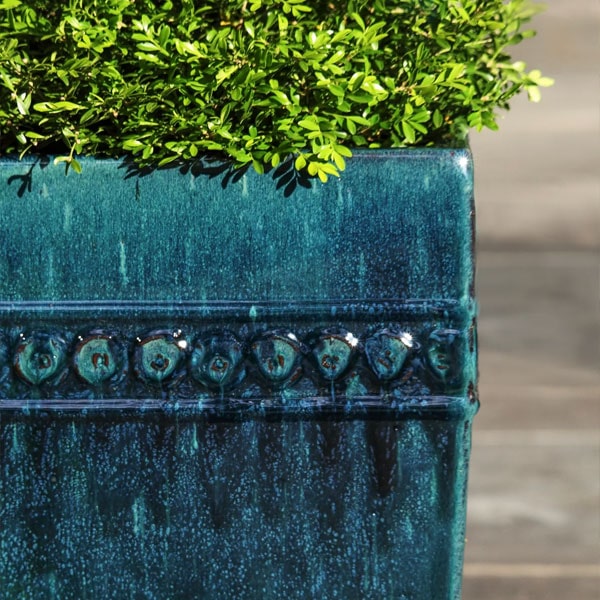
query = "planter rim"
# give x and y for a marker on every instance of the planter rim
(405, 153)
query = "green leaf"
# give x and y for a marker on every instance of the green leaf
(343, 151)
(133, 144)
(313, 168)
(329, 168)
(534, 93)
(23, 103)
(57, 106)
(300, 162)
(339, 161)
(34, 136)
(167, 160)
(310, 124)
(409, 132)
(356, 81)
(75, 165)
(226, 73)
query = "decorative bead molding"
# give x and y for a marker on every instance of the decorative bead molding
(276, 364)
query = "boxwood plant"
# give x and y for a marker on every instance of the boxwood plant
(256, 81)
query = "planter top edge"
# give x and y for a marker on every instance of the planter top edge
(361, 153)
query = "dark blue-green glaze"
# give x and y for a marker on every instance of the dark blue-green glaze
(210, 388)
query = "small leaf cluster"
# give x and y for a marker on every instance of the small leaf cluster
(255, 81)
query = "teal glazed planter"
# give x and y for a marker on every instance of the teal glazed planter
(213, 388)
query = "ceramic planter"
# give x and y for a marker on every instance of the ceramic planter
(236, 387)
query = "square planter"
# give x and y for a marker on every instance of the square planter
(223, 387)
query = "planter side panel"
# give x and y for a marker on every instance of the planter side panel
(180, 508)
(168, 237)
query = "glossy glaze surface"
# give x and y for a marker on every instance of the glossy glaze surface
(211, 390)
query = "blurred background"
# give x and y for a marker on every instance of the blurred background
(534, 498)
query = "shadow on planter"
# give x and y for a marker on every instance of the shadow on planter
(284, 176)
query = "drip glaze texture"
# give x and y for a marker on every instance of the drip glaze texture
(209, 389)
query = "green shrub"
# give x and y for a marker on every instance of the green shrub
(255, 80)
